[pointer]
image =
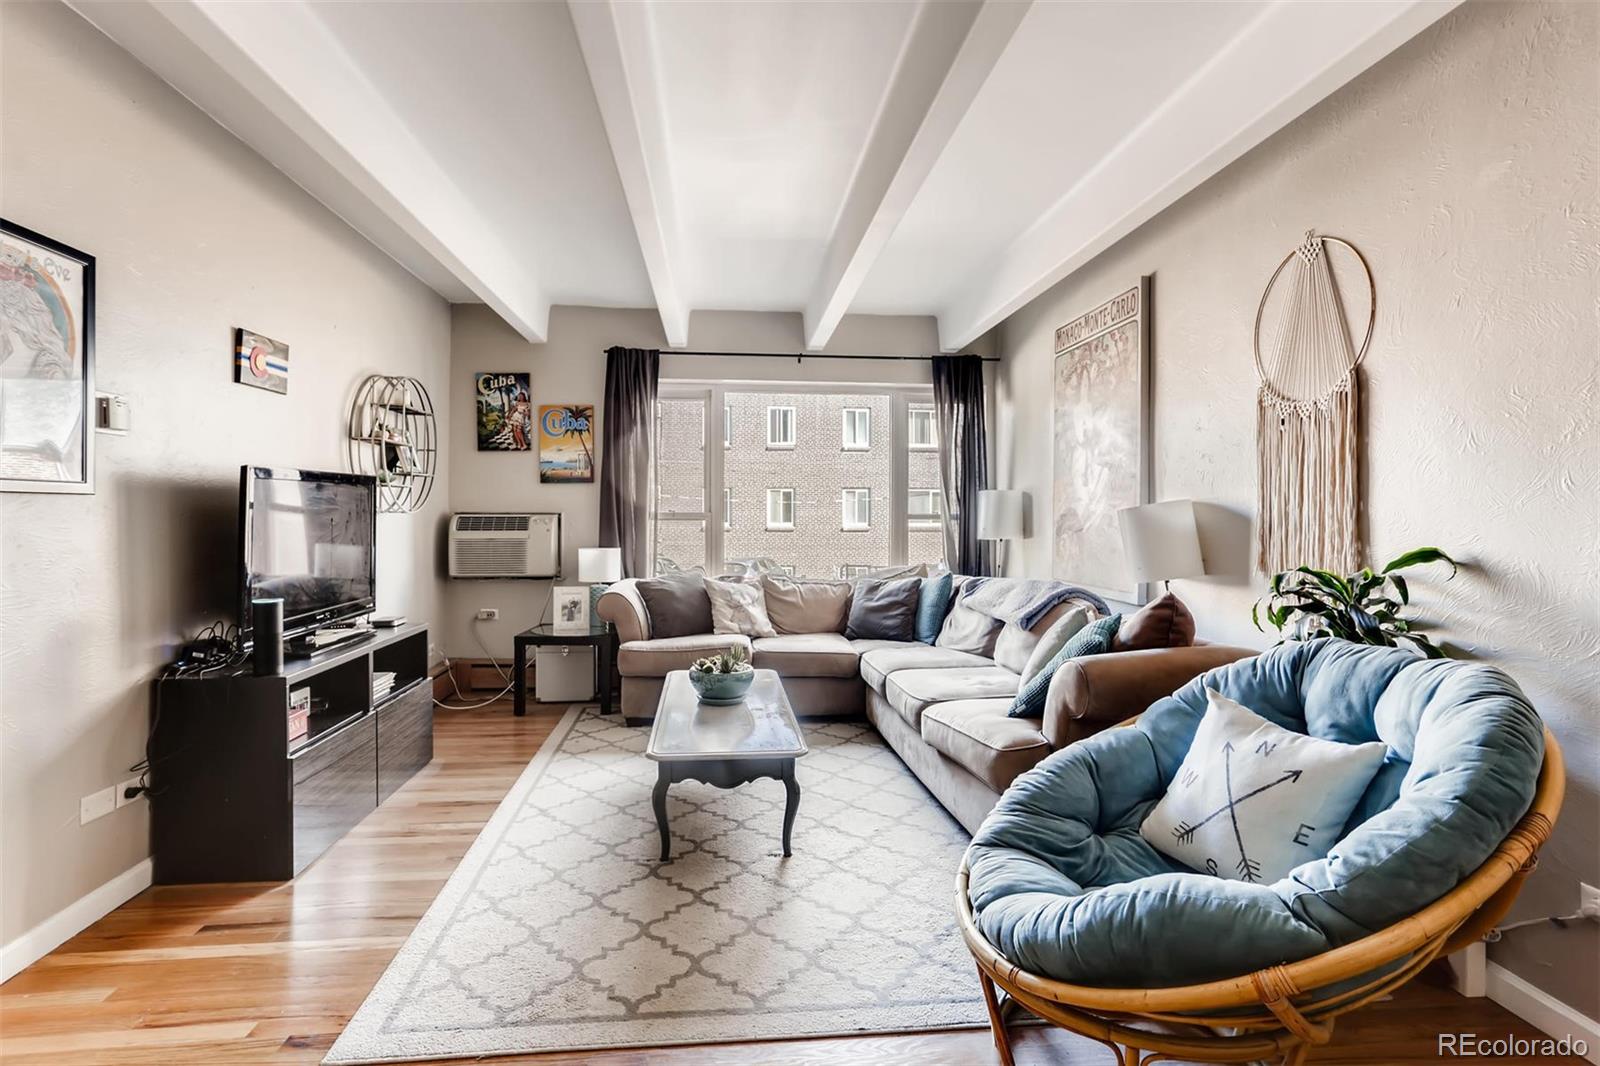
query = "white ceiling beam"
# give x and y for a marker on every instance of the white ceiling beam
(619, 50)
(276, 77)
(1282, 63)
(947, 57)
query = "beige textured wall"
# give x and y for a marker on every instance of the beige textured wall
(1464, 167)
(570, 368)
(195, 235)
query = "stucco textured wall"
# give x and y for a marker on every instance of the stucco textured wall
(195, 234)
(1464, 168)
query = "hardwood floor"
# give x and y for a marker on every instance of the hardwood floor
(270, 973)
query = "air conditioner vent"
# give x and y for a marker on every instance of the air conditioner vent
(493, 523)
(505, 545)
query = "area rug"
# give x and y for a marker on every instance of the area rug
(561, 929)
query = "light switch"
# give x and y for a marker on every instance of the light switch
(112, 413)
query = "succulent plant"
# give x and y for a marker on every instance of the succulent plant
(733, 661)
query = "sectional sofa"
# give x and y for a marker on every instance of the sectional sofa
(942, 709)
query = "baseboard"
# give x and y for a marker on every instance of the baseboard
(1537, 1007)
(72, 919)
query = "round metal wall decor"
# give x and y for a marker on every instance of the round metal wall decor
(394, 437)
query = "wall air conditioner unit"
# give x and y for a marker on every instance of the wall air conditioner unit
(505, 545)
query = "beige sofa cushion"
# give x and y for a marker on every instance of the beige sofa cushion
(978, 735)
(967, 630)
(657, 658)
(807, 655)
(881, 659)
(806, 606)
(911, 691)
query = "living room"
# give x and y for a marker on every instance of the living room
(936, 436)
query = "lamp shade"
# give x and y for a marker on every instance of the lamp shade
(1001, 513)
(1161, 540)
(600, 564)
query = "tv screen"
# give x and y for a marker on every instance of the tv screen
(307, 538)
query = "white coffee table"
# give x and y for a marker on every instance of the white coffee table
(725, 746)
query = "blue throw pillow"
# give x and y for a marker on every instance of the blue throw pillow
(1093, 639)
(932, 605)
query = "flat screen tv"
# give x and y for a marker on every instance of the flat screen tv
(306, 537)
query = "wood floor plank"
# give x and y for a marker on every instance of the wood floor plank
(271, 973)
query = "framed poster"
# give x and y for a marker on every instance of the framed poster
(46, 364)
(566, 443)
(1101, 415)
(505, 413)
(260, 362)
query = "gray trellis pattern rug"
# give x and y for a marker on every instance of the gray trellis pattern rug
(561, 929)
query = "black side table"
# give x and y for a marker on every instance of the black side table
(600, 637)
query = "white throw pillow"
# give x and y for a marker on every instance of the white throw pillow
(1055, 638)
(967, 630)
(1252, 800)
(738, 607)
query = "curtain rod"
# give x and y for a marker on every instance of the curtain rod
(802, 356)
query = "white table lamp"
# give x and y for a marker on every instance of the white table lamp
(599, 567)
(1161, 541)
(1001, 514)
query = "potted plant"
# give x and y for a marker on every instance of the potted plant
(724, 678)
(1363, 607)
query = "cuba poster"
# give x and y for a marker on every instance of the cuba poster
(505, 413)
(566, 444)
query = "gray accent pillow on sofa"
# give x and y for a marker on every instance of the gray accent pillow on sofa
(678, 605)
(884, 610)
(967, 630)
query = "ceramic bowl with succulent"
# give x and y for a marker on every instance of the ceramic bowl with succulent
(724, 678)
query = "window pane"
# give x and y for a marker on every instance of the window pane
(855, 509)
(922, 430)
(780, 427)
(780, 508)
(857, 428)
(727, 508)
(680, 544)
(727, 426)
(681, 461)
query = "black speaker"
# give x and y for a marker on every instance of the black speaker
(266, 620)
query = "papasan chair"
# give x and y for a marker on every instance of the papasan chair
(1074, 916)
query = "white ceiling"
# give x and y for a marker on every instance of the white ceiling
(948, 158)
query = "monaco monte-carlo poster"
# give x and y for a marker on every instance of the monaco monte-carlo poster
(505, 412)
(46, 364)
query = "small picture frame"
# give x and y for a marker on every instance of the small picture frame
(260, 362)
(571, 606)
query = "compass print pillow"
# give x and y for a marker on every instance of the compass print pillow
(1252, 800)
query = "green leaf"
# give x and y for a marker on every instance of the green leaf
(1401, 587)
(1417, 556)
(1255, 615)
(1328, 580)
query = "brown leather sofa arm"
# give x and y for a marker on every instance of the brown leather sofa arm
(1097, 691)
(623, 607)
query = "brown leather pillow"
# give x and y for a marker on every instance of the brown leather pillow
(1161, 623)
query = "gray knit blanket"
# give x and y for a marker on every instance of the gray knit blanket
(1024, 600)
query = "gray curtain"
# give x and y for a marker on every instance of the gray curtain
(963, 460)
(626, 453)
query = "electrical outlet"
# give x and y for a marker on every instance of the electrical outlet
(488, 614)
(1589, 901)
(123, 799)
(97, 805)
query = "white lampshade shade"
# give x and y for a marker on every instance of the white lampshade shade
(1001, 514)
(1161, 540)
(600, 564)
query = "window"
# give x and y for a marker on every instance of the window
(780, 427)
(924, 508)
(855, 509)
(857, 431)
(922, 430)
(727, 508)
(850, 571)
(780, 506)
(727, 425)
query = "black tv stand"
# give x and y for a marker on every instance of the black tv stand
(233, 799)
(304, 646)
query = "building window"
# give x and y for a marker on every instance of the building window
(780, 506)
(924, 508)
(851, 571)
(857, 430)
(786, 569)
(855, 508)
(780, 427)
(727, 508)
(922, 430)
(727, 425)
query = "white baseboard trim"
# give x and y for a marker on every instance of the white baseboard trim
(1537, 1007)
(72, 919)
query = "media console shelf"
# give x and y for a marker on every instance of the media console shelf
(233, 799)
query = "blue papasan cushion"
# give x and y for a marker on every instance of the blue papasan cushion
(1063, 885)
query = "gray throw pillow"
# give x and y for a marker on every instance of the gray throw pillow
(884, 610)
(678, 605)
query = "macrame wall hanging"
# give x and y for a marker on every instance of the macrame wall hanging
(1308, 418)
